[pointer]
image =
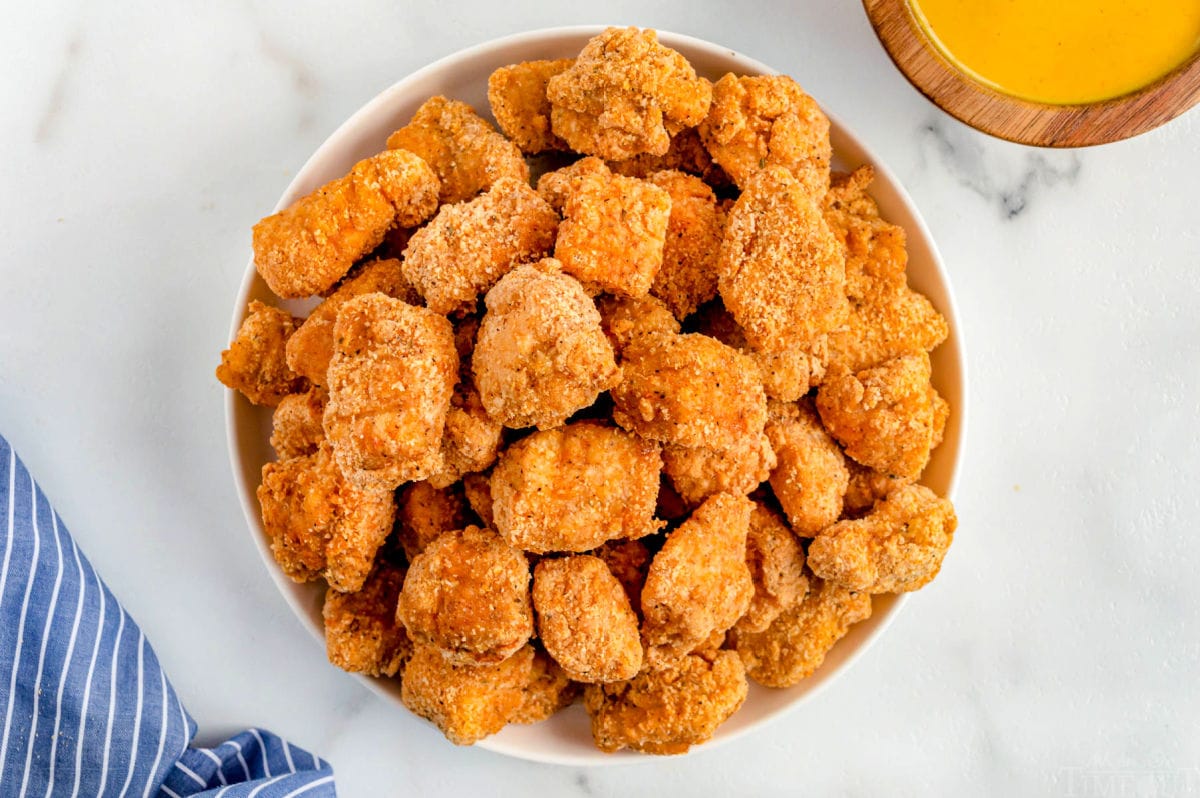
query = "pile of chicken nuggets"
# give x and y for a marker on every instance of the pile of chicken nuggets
(635, 437)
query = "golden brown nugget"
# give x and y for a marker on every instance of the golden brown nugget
(423, 512)
(625, 318)
(462, 147)
(776, 563)
(781, 272)
(307, 247)
(670, 710)
(628, 560)
(321, 524)
(626, 94)
(698, 582)
(883, 416)
(884, 325)
(468, 594)
(471, 440)
(541, 353)
(469, 246)
(875, 252)
(688, 277)
(390, 380)
(786, 375)
(764, 121)
(554, 187)
(361, 631)
(585, 621)
(941, 417)
(310, 348)
(573, 488)
(548, 691)
(517, 95)
(700, 472)
(296, 428)
(254, 364)
(898, 547)
(466, 702)
(866, 487)
(613, 232)
(478, 490)
(690, 390)
(687, 153)
(810, 477)
(795, 644)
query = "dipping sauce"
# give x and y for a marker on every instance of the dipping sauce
(1063, 52)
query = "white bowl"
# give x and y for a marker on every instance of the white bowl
(566, 738)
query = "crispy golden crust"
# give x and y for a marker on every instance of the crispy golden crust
(462, 147)
(517, 94)
(613, 232)
(776, 563)
(390, 381)
(698, 582)
(795, 644)
(874, 249)
(688, 277)
(866, 487)
(548, 690)
(468, 594)
(886, 324)
(541, 354)
(626, 94)
(898, 547)
(625, 318)
(554, 187)
(319, 523)
(585, 621)
(781, 272)
(254, 364)
(699, 472)
(768, 120)
(628, 560)
(573, 488)
(469, 246)
(361, 632)
(471, 440)
(670, 710)
(478, 490)
(810, 478)
(686, 154)
(467, 702)
(423, 512)
(306, 248)
(882, 416)
(941, 416)
(296, 428)
(786, 375)
(690, 390)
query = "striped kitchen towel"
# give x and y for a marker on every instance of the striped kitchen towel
(86, 707)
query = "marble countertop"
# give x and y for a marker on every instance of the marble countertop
(1056, 654)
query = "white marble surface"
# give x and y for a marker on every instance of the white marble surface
(1056, 654)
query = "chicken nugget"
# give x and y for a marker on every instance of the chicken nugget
(478, 489)
(296, 428)
(626, 94)
(390, 381)
(554, 187)
(700, 472)
(585, 621)
(898, 547)
(573, 488)
(468, 594)
(866, 487)
(688, 276)
(874, 250)
(307, 247)
(781, 272)
(786, 375)
(628, 560)
(668, 711)
(361, 631)
(941, 417)
(541, 353)
(776, 563)
(320, 523)
(549, 690)
(462, 147)
(469, 246)
(517, 94)
(254, 364)
(810, 477)
(424, 511)
(886, 324)
(471, 440)
(625, 318)
(698, 582)
(686, 154)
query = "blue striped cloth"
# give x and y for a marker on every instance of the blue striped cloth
(86, 707)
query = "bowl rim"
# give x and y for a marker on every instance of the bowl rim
(246, 494)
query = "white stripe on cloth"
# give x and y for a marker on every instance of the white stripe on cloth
(12, 685)
(8, 541)
(137, 716)
(219, 763)
(112, 698)
(321, 782)
(87, 690)
(162, 737)
(266, 755)
(67, 662)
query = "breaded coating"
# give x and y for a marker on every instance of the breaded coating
(478, 490)
(698, 582)
(628, 560)
(321, 524)
(423, 512)
(541, 354)
(517, 95)
(668, 711)
(626, 94)
(700, 472)
(468, 594)
(687, 153)
(884, 325)
(875, 252)
(462, 147)
(613, 232)
(690, 390)
(688, 277)
(585, 621)
(361, 631)
(573, 488)
(786, 375)
(467, 702)
(554, 187)
(548, 691)
(795, 644)
(767, 120)
(296, 428)
(781, 272)
(307, 247)
(254, 364)
(941, 416)
(469, 246)
(776, 563)
(471, 440)
(390, 380)
(810, 477)
(866, 487)
(898, 547)
(625, 318)
(883, 416)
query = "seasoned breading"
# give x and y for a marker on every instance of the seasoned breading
(517, 95)
(884, 325)
(629, 560)
(423, 512)
(875, 252)
(776, 563)
(688, 276)
(941, 417)
(254, 364)
(548, 690)
(810, 478)
(471, 440)
(478, 490)
(625, 318)
(554, 187)
(866, 487)
(700, 472)
(296, 428)
(361, 631)
(686, 154)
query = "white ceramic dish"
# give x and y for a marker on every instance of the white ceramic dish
(566, 738)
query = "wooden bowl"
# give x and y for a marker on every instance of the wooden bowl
(1024, 121)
